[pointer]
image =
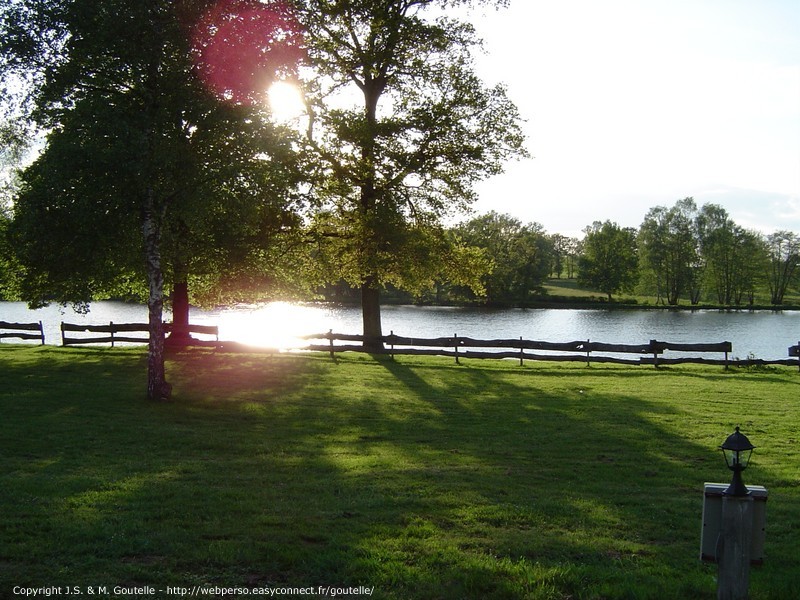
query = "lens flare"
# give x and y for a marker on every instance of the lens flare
(279, 325)
(242, 46)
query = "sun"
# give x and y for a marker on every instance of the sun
(285, 101)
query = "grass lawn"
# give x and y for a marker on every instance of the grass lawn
(565, 288)
(422, 478)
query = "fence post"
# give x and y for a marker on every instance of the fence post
(654, 346)
(455, 346)
(521, 354)
(588, 351)
(111, 331)
(41, 331)
(391, 349)
(330, 341)
(63, 341)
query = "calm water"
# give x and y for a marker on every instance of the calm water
(764, 334)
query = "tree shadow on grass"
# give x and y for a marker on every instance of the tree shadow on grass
(476, 471)
(425, 480)
(242, 377)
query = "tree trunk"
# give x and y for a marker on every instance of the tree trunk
(371, 314)
(157, 386)
(180, 313)
(370, 293)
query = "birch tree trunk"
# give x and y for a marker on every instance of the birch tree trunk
(157, 387)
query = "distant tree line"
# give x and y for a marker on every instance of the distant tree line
(679, 254)
(692, 254)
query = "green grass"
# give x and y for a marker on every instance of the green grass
(566, 289)
(422, 478)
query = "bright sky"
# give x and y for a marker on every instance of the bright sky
(632, 104)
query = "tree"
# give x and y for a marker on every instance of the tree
(783, 248)
(141, 161)
(11, 146)
(667, 248)
(400, 128)
(521, 255)
(733, 257)
(716, 235)
(561, 246)
(574, 248)
(750, 255)
(7, 270)
(609, 262)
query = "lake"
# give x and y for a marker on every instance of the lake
(764, 334)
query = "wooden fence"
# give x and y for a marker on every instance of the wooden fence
(459, 347)
(114, 329)
(20, 331)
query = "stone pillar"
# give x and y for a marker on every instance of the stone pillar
(734, 552)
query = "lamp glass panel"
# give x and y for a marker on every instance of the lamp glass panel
(737, 458)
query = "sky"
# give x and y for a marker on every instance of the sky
(631, 104)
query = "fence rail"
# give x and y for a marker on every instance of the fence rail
(18, 330)
(114, 329)
(455, 346)
(458, 347)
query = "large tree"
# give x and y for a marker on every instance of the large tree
(668, 248)
(733, 257)
(783, 249)
(400, 127)
(521, 255)
(142, 161)
(610, 259)
(10, 151)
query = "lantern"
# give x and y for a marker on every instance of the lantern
(737, 450)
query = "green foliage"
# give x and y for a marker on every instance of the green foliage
(734, 258)
(686, 254)
(129, 119)
(565, 255)
(783, 248)
(522, 255)
(419, 256)
(610, 261)
(668, 249)
(8, 270)
(419, 477)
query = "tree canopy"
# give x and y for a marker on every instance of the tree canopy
(783, 248)
(668, 248)
(522, 256)
(609, 261)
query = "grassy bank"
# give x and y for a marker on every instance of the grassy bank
(419, 477)
(568, 293)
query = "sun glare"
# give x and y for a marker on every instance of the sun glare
(275, 325)
(285, 101)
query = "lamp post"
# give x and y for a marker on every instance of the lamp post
(737, 450)
(736, 532)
